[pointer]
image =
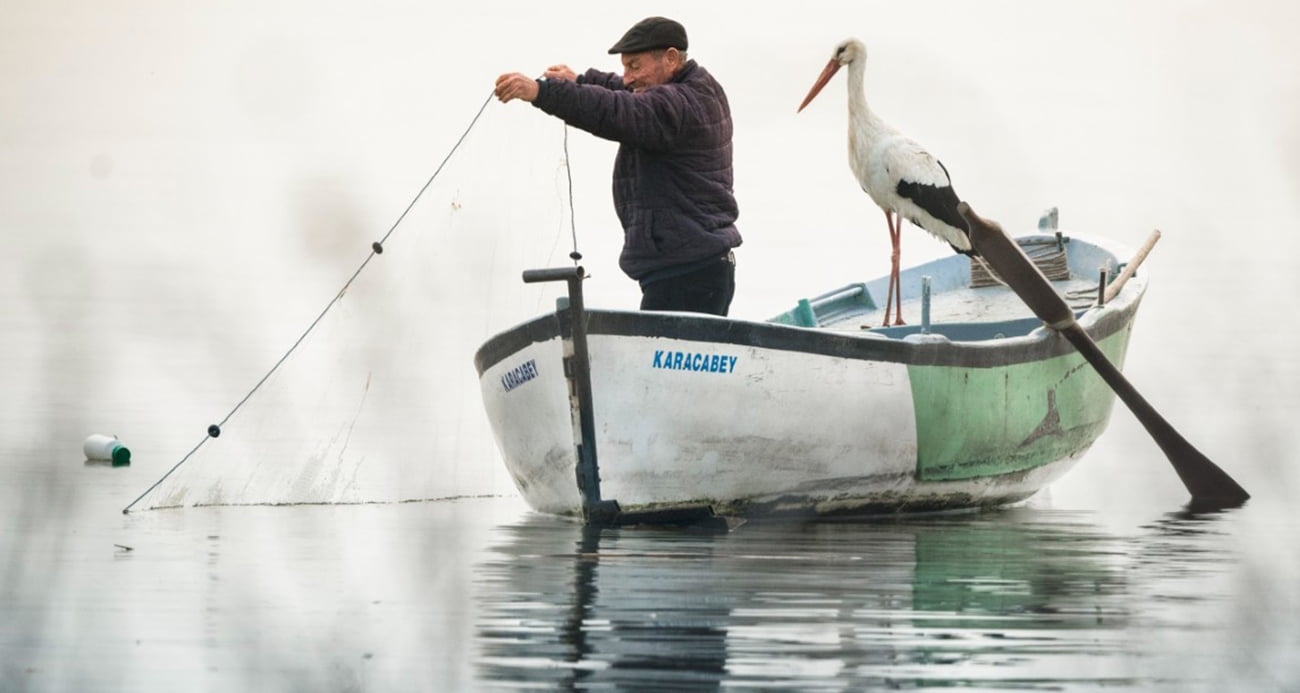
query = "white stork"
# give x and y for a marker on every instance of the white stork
(899, 175)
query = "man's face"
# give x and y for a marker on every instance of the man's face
(648, 68)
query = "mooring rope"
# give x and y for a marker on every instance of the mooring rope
(376, 248)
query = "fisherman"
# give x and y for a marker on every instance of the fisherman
(672, 174)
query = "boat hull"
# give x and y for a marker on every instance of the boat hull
(757, 418)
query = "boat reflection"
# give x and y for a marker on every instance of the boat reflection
(1021, 597)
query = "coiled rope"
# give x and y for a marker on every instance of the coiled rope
(376, 248)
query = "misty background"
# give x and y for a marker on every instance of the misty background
(184, 186)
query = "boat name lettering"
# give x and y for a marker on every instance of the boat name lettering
(687, 361)
(520, 375)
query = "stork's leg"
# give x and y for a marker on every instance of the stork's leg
(895, 282)
(889, 293)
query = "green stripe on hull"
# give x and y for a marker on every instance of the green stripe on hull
(974, 422)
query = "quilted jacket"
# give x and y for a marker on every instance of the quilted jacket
(672, 174)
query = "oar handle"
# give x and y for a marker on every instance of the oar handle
(1131, 268)
(552, 274)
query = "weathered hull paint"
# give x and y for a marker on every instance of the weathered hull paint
(974, 422)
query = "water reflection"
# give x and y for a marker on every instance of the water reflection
(1024, 598)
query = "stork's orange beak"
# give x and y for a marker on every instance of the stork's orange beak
(831, 68)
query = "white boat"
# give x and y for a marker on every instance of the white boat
(656, 416)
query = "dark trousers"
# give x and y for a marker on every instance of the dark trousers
(708, 289)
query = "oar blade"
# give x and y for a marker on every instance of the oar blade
(1210, 486)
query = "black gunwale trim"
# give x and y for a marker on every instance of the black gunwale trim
(499, 347)
(765, 335)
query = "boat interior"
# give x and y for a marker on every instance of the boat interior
(957, 298)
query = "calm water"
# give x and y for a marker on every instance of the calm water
(481, 594)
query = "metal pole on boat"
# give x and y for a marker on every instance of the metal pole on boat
(925, 304)
(577, 369)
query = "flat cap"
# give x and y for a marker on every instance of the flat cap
(651, 33)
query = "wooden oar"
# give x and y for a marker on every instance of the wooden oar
(1112, 290)
(1210, 486)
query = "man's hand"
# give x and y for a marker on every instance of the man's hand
(514, 85)
(560, 72)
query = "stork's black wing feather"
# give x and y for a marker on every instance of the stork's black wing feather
(939, 200)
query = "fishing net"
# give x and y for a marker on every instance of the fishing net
(378, 399)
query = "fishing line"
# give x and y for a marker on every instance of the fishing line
(573, 222)
(376, 248)
(568, 173)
